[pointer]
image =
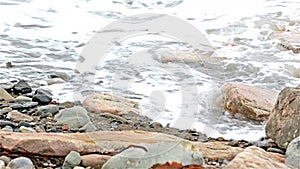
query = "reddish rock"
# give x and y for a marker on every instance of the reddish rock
(252, 102)
(60, 144)
(94, 160)
(106, 103)
(283, 124)
(253, 158)
(65, 128)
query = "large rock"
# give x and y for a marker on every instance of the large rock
(252, 102)
(284, 122)
(74, 117)
(21, 87)
(106, 103)
(162, 152)
(5, 95)
(293, 153)
(253, 158)
(107, 142)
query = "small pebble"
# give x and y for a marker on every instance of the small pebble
(6, 159)
(2, 163)
(24, 129)
(275, 150)
(8, 129)
(72, 159)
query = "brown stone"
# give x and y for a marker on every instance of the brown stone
(284, 122)
(252, 102)
(253, 158)
(95, 161)
(106, 103)
(17, 116)
(217, 150)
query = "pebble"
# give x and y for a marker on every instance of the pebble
(25, 124)
(72, 159)
(156, 125)
(21, 87)
(275, 150)
(7, 123)
(20, 163)
(94, 160)
(17, 107)
(24, 129)
(6, 159)
(52, 109)
(5, 110)
(8, 129)
(88, 127)
(2, 163)
(23, 99)
(43, 92)
(17, 116)
(78, 167)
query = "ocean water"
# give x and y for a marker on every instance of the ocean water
(46, 37)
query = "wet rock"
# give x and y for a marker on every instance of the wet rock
(74, 117)
(21, 87)
(4, 95)
(72, 159)
(17, 116)
(20, 163)
(252, 102)
(289, 40)
(24, 129)
(25, 124)
(43, 92)
(283, 124)
(136, 157)
(293, 153)
(95, 161)
(42, 99)
(189, 57)
(105, 103)
(52, 109)
(55, 81)
(60, 144)
(18, 107)
(254, 157)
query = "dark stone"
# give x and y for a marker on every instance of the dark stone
(2, 99)
(30, 105)
(42, 91)
(25, 124)
(21, 87)
(17, 107)
(42, 99)
(4, 123)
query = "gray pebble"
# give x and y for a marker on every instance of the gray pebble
(20, 163)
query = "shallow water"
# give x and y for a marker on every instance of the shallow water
(42, 38)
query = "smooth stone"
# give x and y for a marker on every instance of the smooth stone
(106, 103)
(25, 124)
(29, 105)
(21, 87)
(252, 102)
(7, 129)
(95, 161)
(88, 127)
(78, 167)
(293, 153)
(24, 129)
(283, 124)
(17, 116)
(43, 91)
(72, 159)
(20, 163)
(17, 107)
(155, 153)
(55, 81)
(5, 95)
(5, 110)
(7, 123)
(2, 163)
(254, 157)
(23, 99)
(60, 75)
(42, 99)
(52, 109)
(6, 159)
(75, 117)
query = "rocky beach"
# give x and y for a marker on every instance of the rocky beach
(176, 84)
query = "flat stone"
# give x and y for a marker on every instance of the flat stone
(60, 144)
(253, 158)
(106, 103)
(283, 124)
(293, 153)
(74, 117)
(17, 116)
(24, 129)
(252, 102)
(150, 154)
(23, 99)
(95, 161)
(5, 95)
(52, 109)
(7, 123)
(20, 162)
(72, 159)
